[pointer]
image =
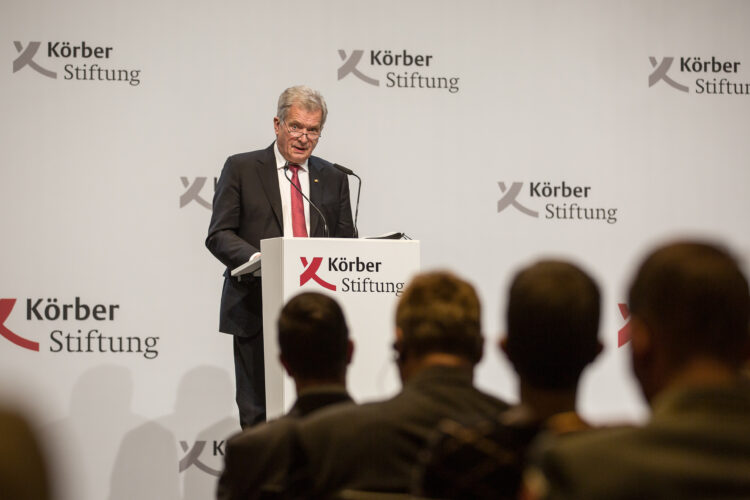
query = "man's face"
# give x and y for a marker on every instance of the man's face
(299, 149)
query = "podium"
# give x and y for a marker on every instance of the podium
(366, 277)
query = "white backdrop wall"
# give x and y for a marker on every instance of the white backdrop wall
(104, 183)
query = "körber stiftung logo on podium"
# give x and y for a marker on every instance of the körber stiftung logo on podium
(396, 69)
(698, 75)
(554, 201)
(75, 327)
(73, 61)
(347, 275)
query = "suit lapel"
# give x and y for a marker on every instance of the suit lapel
(316, 196)
(269, 179)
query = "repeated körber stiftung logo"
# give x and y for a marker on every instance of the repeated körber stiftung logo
(397, 69)
(197, 190)
(347, 275)
(74, 62)
(194, 452)
(699, 75)
(72, 327)
(554, 201)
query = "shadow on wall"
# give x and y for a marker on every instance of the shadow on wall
(83, 445)
(184, 447)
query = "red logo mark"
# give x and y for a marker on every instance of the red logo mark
(6, 306)
(623, 334)
(311, 273)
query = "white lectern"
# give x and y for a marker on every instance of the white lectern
(366, 277)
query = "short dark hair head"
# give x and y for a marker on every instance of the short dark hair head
(313, 336)
(440, 313)
(695, 299)
(553, 323)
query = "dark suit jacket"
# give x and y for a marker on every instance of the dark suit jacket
(696, 445)
(247, 209)
(258, 458)
(375, 446)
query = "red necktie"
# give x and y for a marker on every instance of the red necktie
(299, 228)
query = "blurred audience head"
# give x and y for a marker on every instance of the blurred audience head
(24, 473)
(314, 338)
(690, 308)
(438, 314)
(552, 324)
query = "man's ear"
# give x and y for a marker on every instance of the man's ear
(480, 350)
(640, 337)
(349, 351)
(285, 365)
(502, 344)
(644, 358)
(398, 346)
(599, 349)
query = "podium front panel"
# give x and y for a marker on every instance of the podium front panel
(366, 277)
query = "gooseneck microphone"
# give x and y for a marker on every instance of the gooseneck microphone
(322, 217)
(359, 189)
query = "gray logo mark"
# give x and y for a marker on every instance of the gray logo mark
(510, 199)
(350, 66)
(192, 458)
(193, 192)
(660, 73)
(26, 58)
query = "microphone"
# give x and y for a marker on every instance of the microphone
(325, 223)
(348, 171)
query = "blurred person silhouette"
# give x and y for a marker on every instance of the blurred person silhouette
(690, 308)
(552, 320)
(373, 447)
(23, 466)
(315, 350)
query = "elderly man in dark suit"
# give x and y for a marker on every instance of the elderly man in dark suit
(690, 308)
(259, 196)
(374, 447)
(315, 350)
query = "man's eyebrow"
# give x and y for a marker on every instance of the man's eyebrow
(295, 123)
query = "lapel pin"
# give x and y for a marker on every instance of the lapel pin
(316, 180)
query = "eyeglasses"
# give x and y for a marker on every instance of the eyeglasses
(296, 132)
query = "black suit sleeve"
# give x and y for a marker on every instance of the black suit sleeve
(345, 226)
(223, 240)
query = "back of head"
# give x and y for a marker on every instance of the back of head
(695, 301)
(314, 337)
(553, 321)
(439, 313)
